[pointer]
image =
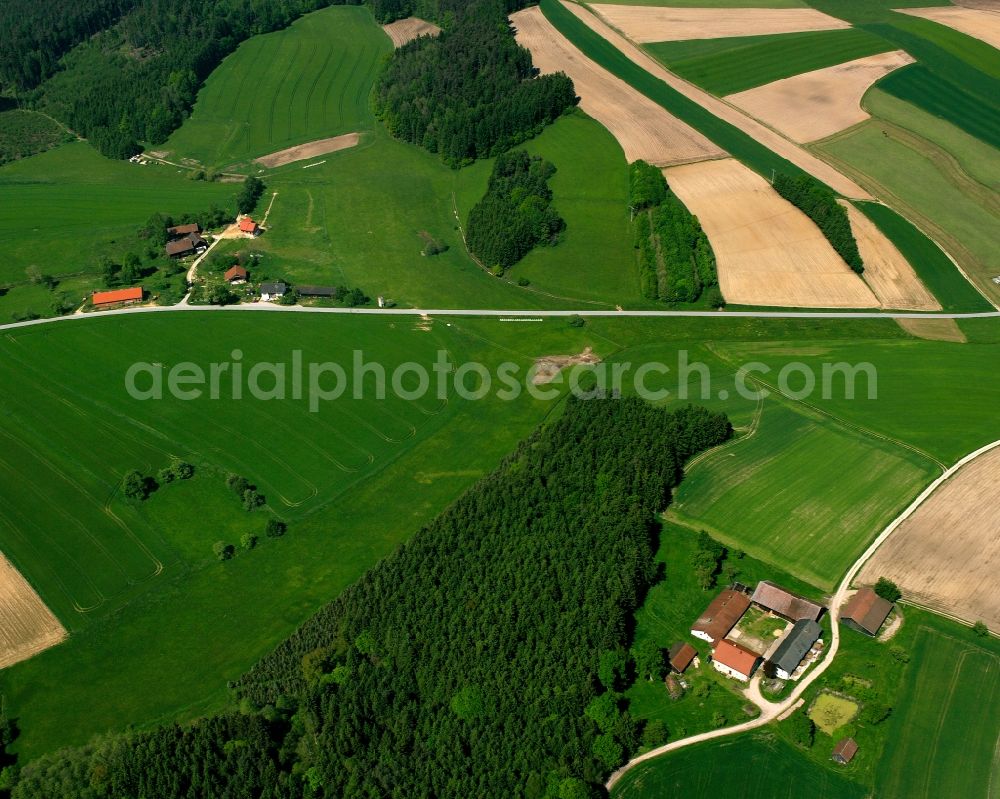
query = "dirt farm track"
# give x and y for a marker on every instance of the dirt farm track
(27, 626)
(946, 555)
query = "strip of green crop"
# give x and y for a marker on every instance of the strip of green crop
(743, 147)
(932, 266)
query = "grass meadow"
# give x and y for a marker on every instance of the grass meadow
(61, 210)
(309, 81)
(751, 767)
(734, 64)
(943, 732)
(156, 621)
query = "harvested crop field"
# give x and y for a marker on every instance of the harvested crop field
(27, 626)
(982, 22)
(768, 252)
(643, 128)
(762, 134)
(887, 272)
(818, 104)
(309, 150)
(660, 24)
(946, 555)
(934, 329)
(406, 30)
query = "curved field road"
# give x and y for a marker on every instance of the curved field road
(772, 710)
(265, 307)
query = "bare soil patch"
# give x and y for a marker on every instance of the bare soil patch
(946, 555)
(934, 329)
(27, 626)
(406, 30)
(818, 104)
(981, 20)
(547, 367)
(768, 252)
(887, 272)
(643, 128)
(730, 113)
(309, 150)
(663, 24)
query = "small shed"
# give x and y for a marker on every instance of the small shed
(317, 291)
(680, 656)
(248, 226)
(182, 231)
(844, 751)
(236, 274)
(866, 611)
(272, 291)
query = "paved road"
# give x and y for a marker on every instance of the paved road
(513, 314)
(771, 710)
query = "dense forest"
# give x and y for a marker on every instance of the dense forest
(481, 659)
(472, 91)
(515, 214)
(676, 262)
(820, 204)
(138, 80)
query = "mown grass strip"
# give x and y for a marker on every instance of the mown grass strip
(736, 142)
(932, 266)
(729, 65)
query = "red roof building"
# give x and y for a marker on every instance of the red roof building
(844, 751)
(247, 225)
(129, 295)
(680, 656)
(720, 616)
(235, 273)
(734, 660)
(866, 611)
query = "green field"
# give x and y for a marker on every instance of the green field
(62, 210)
(758, 767)
(733, 64)
(309, 81)
(156, 621)
(943, 735)
(772, 496)
(960, 213)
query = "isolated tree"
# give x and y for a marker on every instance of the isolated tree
(655, 733)
(246, 200)
(887, 589)
(248, 541)
(875, 712)
(165, 475)
(899, 654)
(183, 470)
(252, 500)
(980, 629)
(275, 528)
(802, 729)
(237, 484)
(134, 486)
(222, 550)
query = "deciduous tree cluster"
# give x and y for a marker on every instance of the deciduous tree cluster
(820, 204)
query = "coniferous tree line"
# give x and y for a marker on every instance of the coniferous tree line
(820, 204)
(515, 214)
(482, 658)
(676, 261)
(472, 91)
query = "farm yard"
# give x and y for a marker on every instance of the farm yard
(768, 252)
(951, 685)
(249, 107)
(644, 129)
(737, 63)
(945, 556)
(817, 104)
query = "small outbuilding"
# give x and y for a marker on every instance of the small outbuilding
(105, 299)
(844, 751)
(317, 291)
(272, 291)
(183, 231)
(785, 659)
(720, 616)
(866, 611)
(189, 245)
(248, 226)
(775, 599)
(680, 656)
(236, 275)
(734, 660)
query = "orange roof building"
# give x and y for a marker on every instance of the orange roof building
(844, 751)
(680, 656)
(247, 225)
(734, 660)
(235, 273)
(866, 611)
(105, 298)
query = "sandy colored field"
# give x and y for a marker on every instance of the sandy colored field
(661, 24)
(734, 116)
(934, 329)
(947, 554)
(981, 22)
(768, 252)
(309, 150)
(406, 30)
(27, 626)
(547, 367)
(818, 104)
(643, 128)
(887, 272)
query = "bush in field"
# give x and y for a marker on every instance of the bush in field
(887, 589)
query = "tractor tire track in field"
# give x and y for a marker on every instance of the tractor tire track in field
(315, 83)
(329, 89)
(274, 95)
